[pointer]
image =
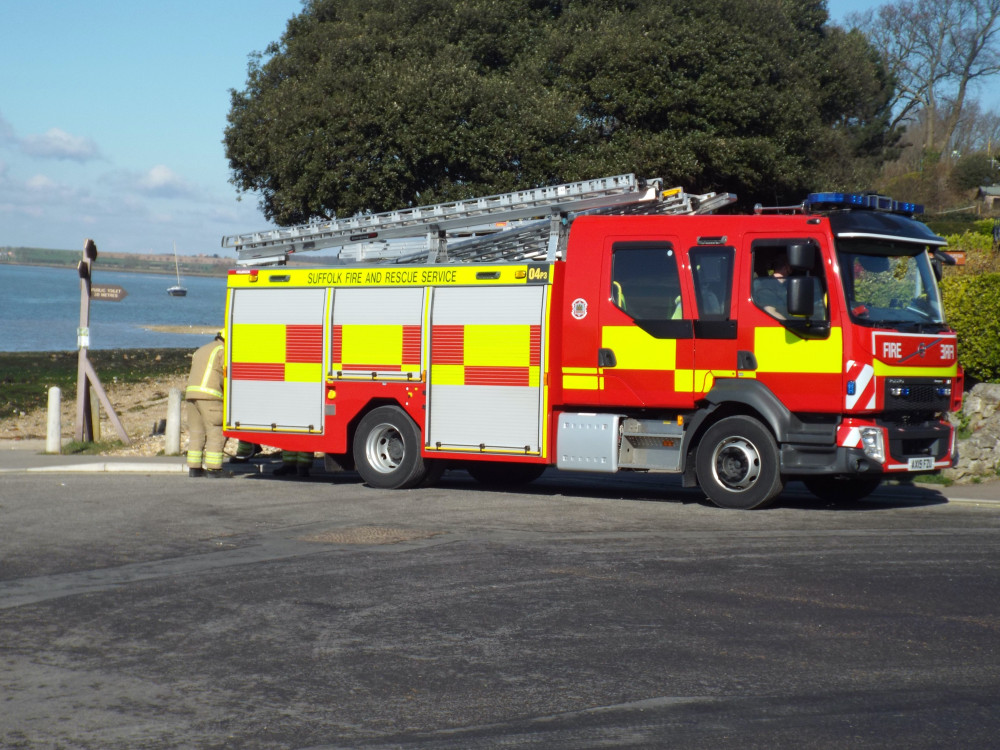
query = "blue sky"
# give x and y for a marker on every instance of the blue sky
(111, 120)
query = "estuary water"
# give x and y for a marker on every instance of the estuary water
(40, 310)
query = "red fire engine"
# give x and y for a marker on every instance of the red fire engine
(629, 329)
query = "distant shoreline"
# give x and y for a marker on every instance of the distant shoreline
(196, 330)
(221, 273)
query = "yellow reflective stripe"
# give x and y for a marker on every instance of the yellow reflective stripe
(196, 389)
(213, 459)
(372, 345)
(684, 381)
(582, 378)
(448, 374)
(203, 388)
(476, 275)
(636, 350)
(497, 345)
(477, 449)
(780, 350)
(262, 343)
(583, 382)
(216, 353)
(883, 370)
(303, 372)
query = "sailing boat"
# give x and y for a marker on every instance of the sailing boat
(177, 290)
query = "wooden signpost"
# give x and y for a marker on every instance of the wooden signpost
(108, 293)
(86, 376)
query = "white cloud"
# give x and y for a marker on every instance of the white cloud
(41, 183)
(163, 182)
(158, 182)
(14, 209)
(58, 144)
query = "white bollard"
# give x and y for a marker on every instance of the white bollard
(53, 430)
(173, 432)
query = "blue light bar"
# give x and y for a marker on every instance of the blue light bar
(828, 201)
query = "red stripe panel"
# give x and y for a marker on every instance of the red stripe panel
(257, 371)
(536, 346)
(448, 345)
(304, 343)
(517, 376)
(337, 344)
(411, 345)
(355, 367)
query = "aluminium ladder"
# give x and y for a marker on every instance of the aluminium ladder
(486, 217)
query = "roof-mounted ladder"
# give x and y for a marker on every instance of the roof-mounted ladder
(488, 216)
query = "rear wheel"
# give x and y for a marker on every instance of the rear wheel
(842, 488)
(737, 464)
(387, 450)
(503, 474)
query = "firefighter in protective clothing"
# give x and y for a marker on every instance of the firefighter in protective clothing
(204, 410)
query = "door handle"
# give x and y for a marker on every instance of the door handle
(606, 358)
(745, 360)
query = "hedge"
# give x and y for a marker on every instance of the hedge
(972, 306)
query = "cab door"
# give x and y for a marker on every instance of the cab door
(716, 351)
(646, 332)
(800, 358)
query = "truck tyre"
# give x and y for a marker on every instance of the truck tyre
(842, 488)
(499, 474)
(387, 450)
(737, 464)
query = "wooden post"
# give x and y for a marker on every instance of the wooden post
(84, 420)
(95, 414)
(86, 377)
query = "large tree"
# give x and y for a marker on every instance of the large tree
(938, 50)
(381, 104)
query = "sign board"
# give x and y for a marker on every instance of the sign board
(108, 293)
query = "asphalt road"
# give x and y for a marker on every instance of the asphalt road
(166, 612)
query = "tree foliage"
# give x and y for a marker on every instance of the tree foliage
(938, 50)
(381, 104)
(973, 170)
(965, 298)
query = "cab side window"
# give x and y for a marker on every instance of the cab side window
(644, 280)
(712, 271)
(771, 272)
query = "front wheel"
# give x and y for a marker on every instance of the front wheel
(387, 450)
(737, 464)
(841, 488)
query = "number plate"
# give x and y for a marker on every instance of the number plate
(921, 464)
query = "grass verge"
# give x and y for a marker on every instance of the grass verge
(83, 448)
(25, 377)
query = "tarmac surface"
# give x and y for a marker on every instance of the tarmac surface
(143, 609)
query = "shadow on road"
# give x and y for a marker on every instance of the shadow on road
(636, 487)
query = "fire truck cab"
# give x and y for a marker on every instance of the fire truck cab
(741, 351)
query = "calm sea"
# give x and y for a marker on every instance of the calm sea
(40, 310)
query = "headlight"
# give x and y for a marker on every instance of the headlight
(873, 443)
